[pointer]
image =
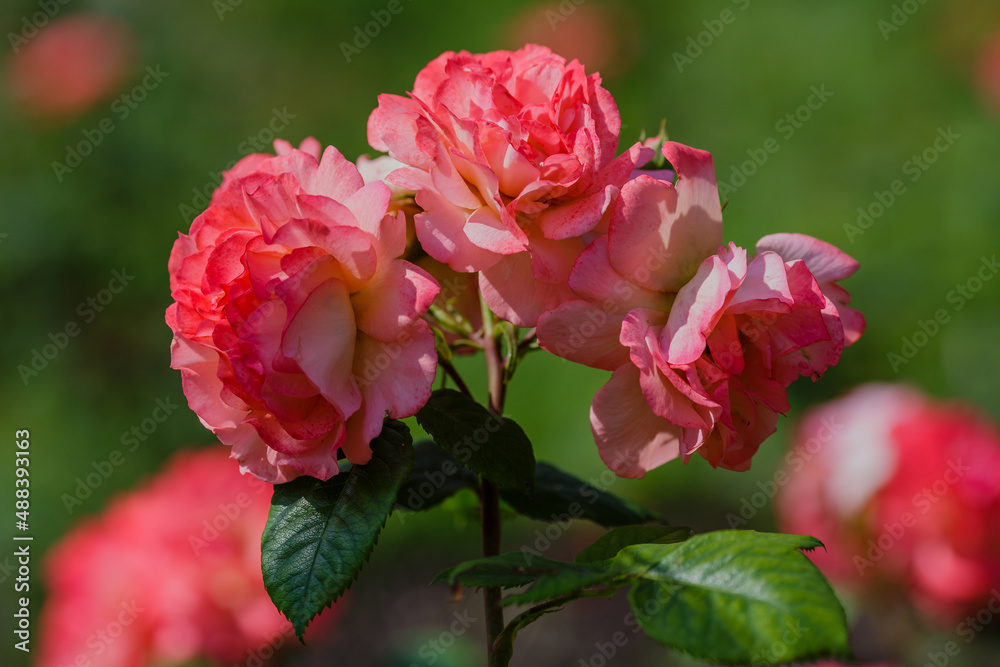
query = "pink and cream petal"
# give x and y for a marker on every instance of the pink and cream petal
(199, 376)
(698, 307)
(441, 232)
(398, 294)
(515, 294)
(485, 229)
(576, 218)
(593, 278)
(320, 338)
(676, 226)
(630, 438)
(825, 261)
(583, 333)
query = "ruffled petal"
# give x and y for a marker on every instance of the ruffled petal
(583, 333)
(320, 338)
(398, 294)
(396, 379)
(660, 233)
(825, 261)
(630, 438)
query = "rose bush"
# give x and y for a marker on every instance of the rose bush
(301, 321)
(296, 327)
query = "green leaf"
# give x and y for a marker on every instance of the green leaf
(548, 578)
(734, 597)
(567, 580)
(608, 545)
(319, 534)
(560, 496)
(515, 568)
(503, 649)
(436, 477)
(486, 444)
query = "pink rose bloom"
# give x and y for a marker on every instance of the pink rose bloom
(169, 574)
(296, 327)
(904, 492)
(703, 343)
(70, 65)
(512, 157)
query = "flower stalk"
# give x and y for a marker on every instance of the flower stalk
(490, 492)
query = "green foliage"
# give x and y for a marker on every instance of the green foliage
(728, 597)
(608, 545)
(485, 443)
(508, 570)
(436, 477)
(547, 578)
(559, 495)
(320, 534)
(733, 597)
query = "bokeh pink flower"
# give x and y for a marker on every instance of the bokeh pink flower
(169, 574)
(297, 328)
(512, 158)
(904, 491)
(606, 38)
(70, 65)
(987, 75)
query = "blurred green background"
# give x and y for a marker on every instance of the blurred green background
(231, 64)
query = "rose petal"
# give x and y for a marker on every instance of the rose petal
(320, 337)
(630, 438)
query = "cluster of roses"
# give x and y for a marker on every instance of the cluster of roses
(299, 324)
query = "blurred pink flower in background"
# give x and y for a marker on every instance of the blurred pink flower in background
(168, 574)
(604, 38)
(988, 72)
(70, 65)
(904, 492)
